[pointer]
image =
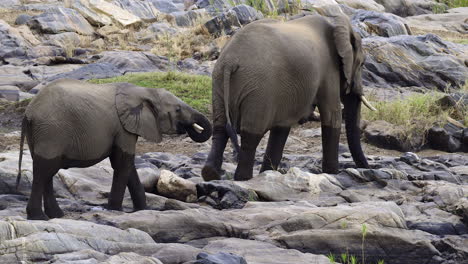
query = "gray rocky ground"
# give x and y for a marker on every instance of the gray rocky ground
(408, 208)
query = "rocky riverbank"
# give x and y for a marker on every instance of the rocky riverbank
(408, 208)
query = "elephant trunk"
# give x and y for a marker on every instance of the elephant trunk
(352, 109)
(200, 135)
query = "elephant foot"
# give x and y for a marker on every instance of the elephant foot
(37, 216)
(54, 213)
(139, 206)
(114, 207)
(238, 176)
(210, 174)
(330, 170)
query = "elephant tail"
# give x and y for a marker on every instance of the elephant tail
(23, 128)
(230, 129)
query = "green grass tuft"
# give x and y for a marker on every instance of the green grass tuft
(442, 5)
(415, 114)
(195, 90)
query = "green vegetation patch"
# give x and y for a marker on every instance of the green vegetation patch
(416, 114)
(195, 90)
(443, 4)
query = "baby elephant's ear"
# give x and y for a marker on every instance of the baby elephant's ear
(136, 111)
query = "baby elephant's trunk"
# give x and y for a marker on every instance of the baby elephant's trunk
(200, 132)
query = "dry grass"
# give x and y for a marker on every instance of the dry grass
(10, 15)
(183, 44)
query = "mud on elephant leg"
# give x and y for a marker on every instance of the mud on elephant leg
(136, 189)
(51, 206)
(212, 169)
(43, 171)
(122, 164)
(274, 151)
(249, 143)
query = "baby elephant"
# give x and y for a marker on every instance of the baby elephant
(77, 124)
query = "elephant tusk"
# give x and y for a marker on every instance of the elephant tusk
(198, 128)
(366, 103)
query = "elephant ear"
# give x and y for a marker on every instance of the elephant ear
(136, 111)
(342, 34)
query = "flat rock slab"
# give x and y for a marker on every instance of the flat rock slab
(448, 25)
(422, 61)
(133, 61)
(257, 252)
(58, 20)
(43, 240)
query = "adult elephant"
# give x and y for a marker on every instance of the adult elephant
(77, 124)
(269, 76)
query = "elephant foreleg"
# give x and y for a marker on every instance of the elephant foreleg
(331, 128)
(274, 151)
(122, 164)
(212, 169)
(249, 143)
(330, 143)
(137, 191)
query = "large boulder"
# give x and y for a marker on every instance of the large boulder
(363, 4)
(90, 71)
(294, 185)
(371, 23)
(347, 229)
(188, 18)
(247, 14)
(10, 93)
(225, 23)
(430, 218)
(10, 3)
(60, 19)
(219, 258)
(257, 252)
(172, 186)
(13, 47)
(94, 18)
(385, 135)
(215, 7)
(156, 31)
(142, 9)
(447, 138)
(62, 240)
(165, 6)
(423, 61)
(406, 8)
(133, 61)
(67, 40)
(224, 194)
(118, 14)
(449, 25)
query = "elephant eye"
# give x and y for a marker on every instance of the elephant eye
(178, 109)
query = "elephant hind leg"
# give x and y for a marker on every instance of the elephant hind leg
(51, 207)
(137, 191)
(249, 143)
(274, 151)
(212, 169)
(43, 172)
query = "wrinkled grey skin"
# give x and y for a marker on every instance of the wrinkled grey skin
(269, 77)
(76, 124)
